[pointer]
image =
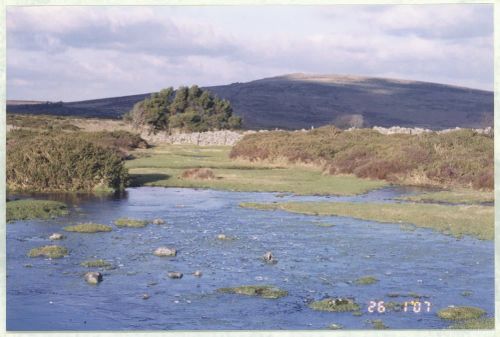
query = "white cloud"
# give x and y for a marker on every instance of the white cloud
(90, 52)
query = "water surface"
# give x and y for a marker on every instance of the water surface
(314, 262)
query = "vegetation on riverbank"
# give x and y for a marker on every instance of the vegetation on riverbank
(462, 158)
(164, 166)
(477, 221)
(460, 196)
(68, 161)
(34, 209)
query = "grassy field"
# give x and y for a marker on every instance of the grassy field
(461, 196)
(163, 166)
(477, 221)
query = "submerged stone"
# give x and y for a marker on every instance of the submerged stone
(269, 258)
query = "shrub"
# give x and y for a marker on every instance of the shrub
(62, 162)
(462, 158)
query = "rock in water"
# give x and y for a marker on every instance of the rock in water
(93, 277)
(174, 274)
(56, 236)
(165, 251)
(269, 258)
(145, 296)
(198, 273)
(158, 221)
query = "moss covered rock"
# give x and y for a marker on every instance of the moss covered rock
(460, 313)
(335, 305)
(88, 228)
(366, 280)
(263, 291)
(52, 252)
(127, 222)
(96, 264)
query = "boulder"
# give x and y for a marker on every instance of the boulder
(93, 277)
(56, 236)
(165, 251)
(174, 274)
(198, 273)
(269, 258)
(158, 221)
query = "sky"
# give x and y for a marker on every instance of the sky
(76, 53)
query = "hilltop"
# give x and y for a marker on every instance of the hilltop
(300, 101)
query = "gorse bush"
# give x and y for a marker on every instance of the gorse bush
(462, 158)
(188, 109)
(62, 162)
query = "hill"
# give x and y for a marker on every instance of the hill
(300, 101)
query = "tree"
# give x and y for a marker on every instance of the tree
(188, 109)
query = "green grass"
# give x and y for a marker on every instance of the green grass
(88, 228)
(53, 252)
(126, 222)
(476, 324)
(460, 313)
(95, 264)
(34, 209)
(366, 280)
(477, 221)
(163, 166)
(260, 291)
(335, 305)
(461, 196)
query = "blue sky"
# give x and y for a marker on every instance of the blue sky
(76, 53)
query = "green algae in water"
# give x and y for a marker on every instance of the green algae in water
(335, 305)
(88, 228)
(460, 313)
(127, 222)
(34, 209)
(476, 324)
(52, 252)
(366, 280)
(95, 264)
(260, 291)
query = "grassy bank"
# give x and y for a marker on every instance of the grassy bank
(164, 166)
(457, 159)
(477, 221)
(453, 197)
(34, 209)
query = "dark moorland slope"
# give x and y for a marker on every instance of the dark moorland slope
(300, 101)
